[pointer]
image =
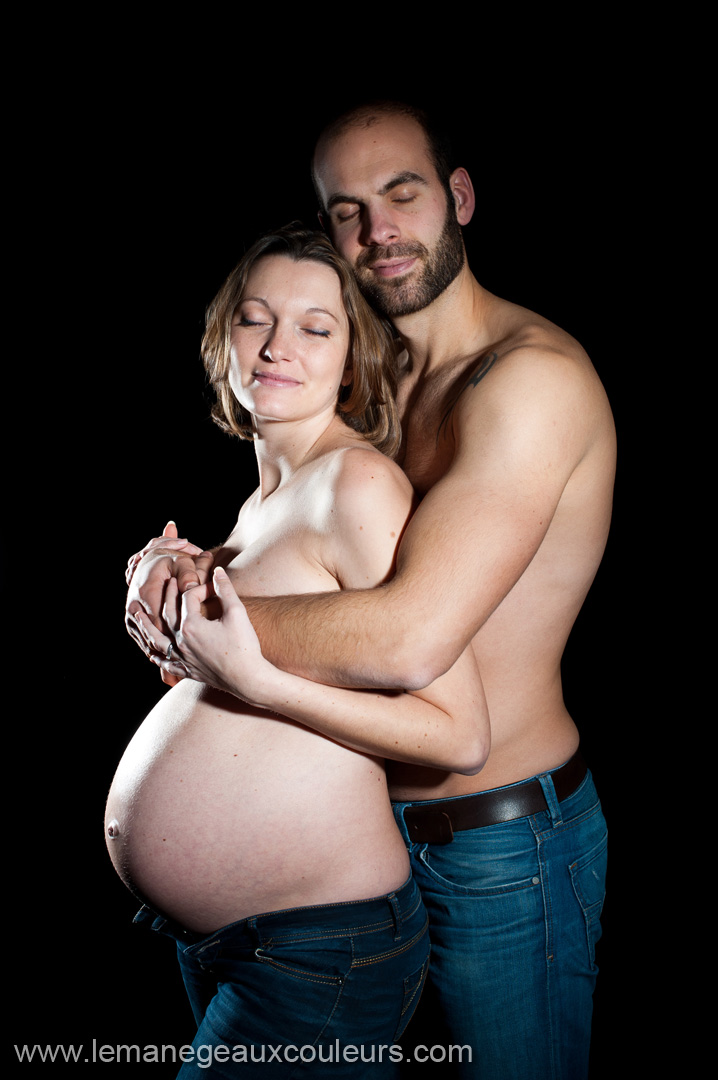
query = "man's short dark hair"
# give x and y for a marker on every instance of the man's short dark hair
(365, 115)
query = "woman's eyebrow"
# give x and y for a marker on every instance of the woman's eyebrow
(309, 310)
(321, 311)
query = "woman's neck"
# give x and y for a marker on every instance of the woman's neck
(283, 447)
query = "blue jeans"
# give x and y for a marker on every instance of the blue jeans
(312, 991)
(513, 919)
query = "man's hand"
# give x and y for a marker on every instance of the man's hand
(148, 572)
(168, 540)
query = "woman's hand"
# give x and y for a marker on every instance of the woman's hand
(223, 652)
(165, 558)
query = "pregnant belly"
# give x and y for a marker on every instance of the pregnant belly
(217, 813)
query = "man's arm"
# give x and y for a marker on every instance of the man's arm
(445, 725)
(520, 433)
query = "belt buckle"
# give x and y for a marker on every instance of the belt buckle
(426, 825)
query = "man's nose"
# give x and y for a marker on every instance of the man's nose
(378, 227)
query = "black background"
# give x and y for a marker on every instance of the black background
(138, 190)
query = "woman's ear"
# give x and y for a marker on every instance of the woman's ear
(348, 374)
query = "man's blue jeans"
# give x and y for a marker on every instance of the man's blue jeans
(311, 991)
(513, 919)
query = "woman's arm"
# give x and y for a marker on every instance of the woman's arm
(445, 726)
(368, 504)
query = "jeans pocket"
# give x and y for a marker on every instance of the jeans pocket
(473, 866)
(588, 876)
(413, 986)
(325, 961)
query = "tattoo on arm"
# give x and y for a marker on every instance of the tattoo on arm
(484, 367)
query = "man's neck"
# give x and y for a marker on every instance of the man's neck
(456, 325)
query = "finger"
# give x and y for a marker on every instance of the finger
(203, 564)
(193, 599)
(170, 543)
(171, 608)
(186, 573)
(170, 529)
(133, 623)
(224, 588)
(135, 633)
(157, 642)
(131, 567)
(172, 671)
(199, 602)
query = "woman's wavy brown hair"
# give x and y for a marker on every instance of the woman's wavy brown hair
(368, 403)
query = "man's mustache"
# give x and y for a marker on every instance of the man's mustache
(367, 259)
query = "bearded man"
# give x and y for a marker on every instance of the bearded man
(509, 442)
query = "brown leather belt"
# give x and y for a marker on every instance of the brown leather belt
(436, 823)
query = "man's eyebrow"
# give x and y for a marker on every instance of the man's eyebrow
(403, 178)
(407, 177)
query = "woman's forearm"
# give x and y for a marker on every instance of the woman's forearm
(397, 725)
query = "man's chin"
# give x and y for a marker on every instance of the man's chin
(397, 301)
(392, 297)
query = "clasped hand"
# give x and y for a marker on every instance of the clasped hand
(223, 652)
(163, 559)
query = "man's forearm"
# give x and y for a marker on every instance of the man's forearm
(353, 638)
(312, 636)
(317, 636)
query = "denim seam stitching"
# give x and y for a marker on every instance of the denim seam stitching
(380, 957)
(343, 931)
(315, 977)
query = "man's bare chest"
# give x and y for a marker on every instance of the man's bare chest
(428, 444)
(426, 406)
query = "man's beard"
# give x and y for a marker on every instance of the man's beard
(404, 295)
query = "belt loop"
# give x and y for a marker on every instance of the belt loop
(396, 915)
(549, 791)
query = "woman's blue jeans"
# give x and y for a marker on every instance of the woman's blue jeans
(313, 991)
(513, 920)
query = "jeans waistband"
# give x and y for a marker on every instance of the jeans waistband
(375, 913)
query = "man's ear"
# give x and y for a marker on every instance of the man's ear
(462, 191)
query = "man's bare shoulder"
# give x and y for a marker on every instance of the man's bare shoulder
(533, 367)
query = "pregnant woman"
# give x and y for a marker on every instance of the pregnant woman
(267, 848)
